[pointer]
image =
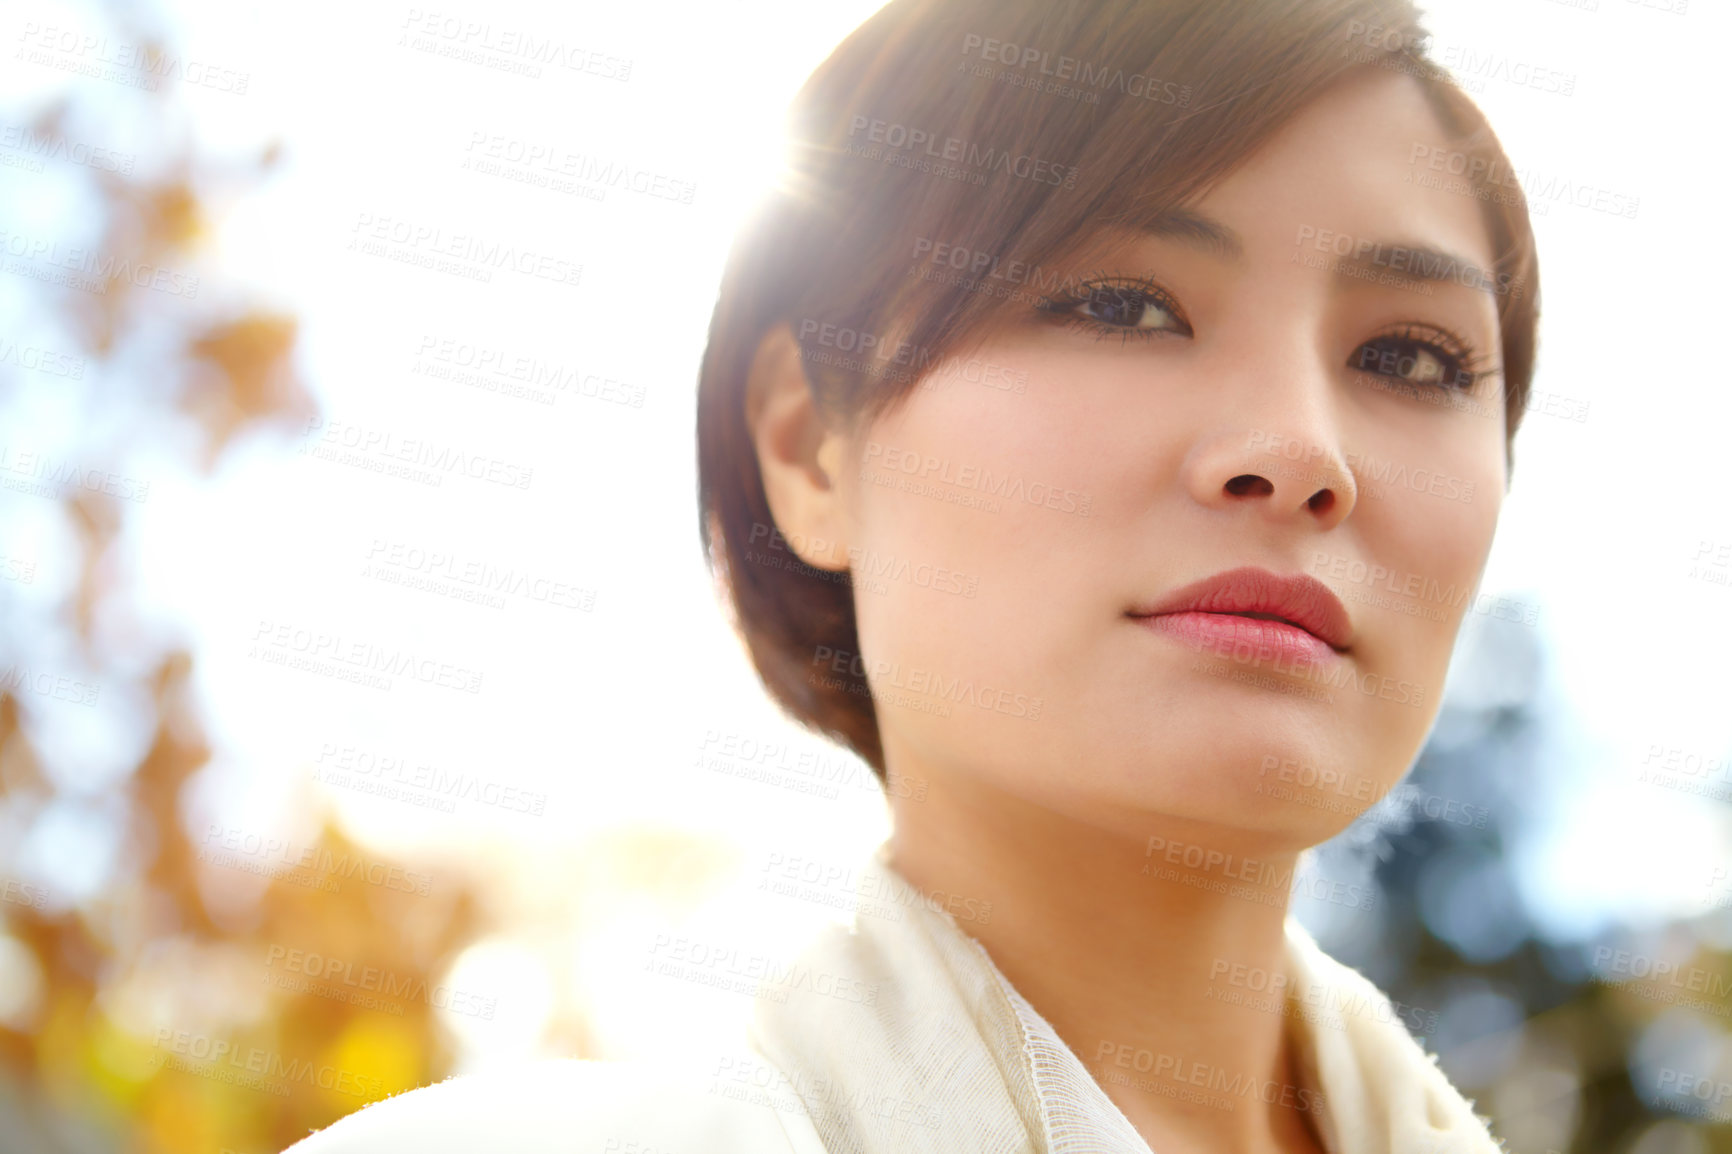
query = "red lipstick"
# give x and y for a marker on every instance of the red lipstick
(1293, 616)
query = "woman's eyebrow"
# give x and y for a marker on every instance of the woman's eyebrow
(1398, 264)
(1364, 259)
(1196, 231)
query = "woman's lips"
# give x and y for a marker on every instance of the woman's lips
(1249, 589)
(1253, 641)
(1256, 617)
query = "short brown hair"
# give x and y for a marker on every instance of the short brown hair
(1156, 100)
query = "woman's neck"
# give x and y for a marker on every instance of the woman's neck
(1157, 974)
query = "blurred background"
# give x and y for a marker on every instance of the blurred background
(366, 715)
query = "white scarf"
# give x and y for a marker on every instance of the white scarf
(906, 1039)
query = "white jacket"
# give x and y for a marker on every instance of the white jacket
(899, 1035)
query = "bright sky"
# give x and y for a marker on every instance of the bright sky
(1601, 527)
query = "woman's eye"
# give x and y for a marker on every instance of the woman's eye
(1127, 310)
(1416, 361)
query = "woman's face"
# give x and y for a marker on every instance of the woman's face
(1233, 391)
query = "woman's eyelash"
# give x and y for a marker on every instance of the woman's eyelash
(1423, 355)
(1132, 299)
(1412, 355)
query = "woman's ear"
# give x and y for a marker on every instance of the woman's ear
(800, 459)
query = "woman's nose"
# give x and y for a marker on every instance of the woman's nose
(1289, 476)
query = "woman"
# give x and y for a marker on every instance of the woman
(1089, 436)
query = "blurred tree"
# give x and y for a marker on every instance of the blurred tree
(1521, 1023)
(132, 1016)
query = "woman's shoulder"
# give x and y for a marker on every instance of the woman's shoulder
(569, 1104)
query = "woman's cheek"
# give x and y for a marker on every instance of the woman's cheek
(1428, 543)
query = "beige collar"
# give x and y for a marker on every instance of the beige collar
(905, 1037)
